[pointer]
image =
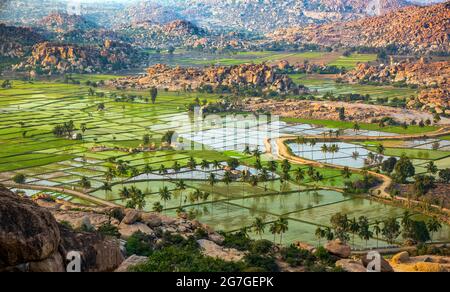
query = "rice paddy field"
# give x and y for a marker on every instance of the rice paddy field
(30, 111)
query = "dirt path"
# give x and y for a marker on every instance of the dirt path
(77, 194)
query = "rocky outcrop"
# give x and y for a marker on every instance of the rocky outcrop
(351, 266)
(31, 240)
(247, 75)
(403, 262)
(130, 262)
(51, 58)
(16, 41)
(28, 233)
(417, 29)
(338, 249)
(432, 79)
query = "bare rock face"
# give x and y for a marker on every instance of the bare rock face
(28, 233)
(131, 216)
(339, 249)
(128, 230)
(213, 250)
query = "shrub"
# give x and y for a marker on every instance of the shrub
(108, 229)
(261, 247)
(261, 262)
(139, 244)
(297, 257)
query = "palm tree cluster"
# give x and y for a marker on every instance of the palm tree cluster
(134, 196)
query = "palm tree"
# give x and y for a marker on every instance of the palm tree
(157, 207)
(283, 227)
(259, 226)
(216, 164)
(247, 150)
(354, 229)
(272, 166)
(147, 169)
(192, 165)
(257, 153)
(227, 178)
(182, 187)
(264, 177)
(165, 195)
(431, 168)
(204, 164)
(299, 176)
(329, 234)
(324, 150)
(377, 230)
(124, 193)
(274, 230)
(312, 143)
(380, 149)
(346, 173)
(176, 168)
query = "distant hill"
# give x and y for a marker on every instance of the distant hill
(63, 23)
(16, 40)
(414, 28)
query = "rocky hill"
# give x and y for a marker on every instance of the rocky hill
(17, 40)
(248, 75)
(63, 23)
(414, 28)
(432, 79)
(49, 58)
(254, 15)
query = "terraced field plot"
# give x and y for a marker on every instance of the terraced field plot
(29, 112)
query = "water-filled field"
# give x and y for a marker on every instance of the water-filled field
(30, 111)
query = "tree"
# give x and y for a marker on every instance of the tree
(299, 175)
(364, 232)
(404, 169)
(273, 166)
(274, 230)
(356, 127)
(354, 228)
(165, 195)
(259, 226)
(340, 225)
(233, 163)
(6, 84)
(377, 230)
(19, 178)
(157, 207)
(346, 173)
(390, 230)
(423, 183)
(153, 94)
(431, 168)
(434, 226)
(416, 231)
(380, 149)
(444, 175)
(388, 165)
(146, 139)
(85, 183)
(283, 227)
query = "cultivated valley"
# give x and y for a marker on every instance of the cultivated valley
(157, 136)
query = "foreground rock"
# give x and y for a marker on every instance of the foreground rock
(338, 249)
(131, 262)
(32, 241)
(403, 262)
(351, 266)
(28, 233)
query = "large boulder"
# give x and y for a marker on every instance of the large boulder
(28, 233)
(402, 257)
(339, 249)
(98, 254)
(385, 265)
(152, 220)
(351, 266)
(128, 230)
(130, 262)
(131, 216)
